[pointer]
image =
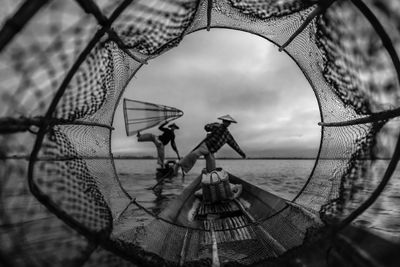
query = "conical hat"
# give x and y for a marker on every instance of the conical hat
(173, 125)
(227, 118)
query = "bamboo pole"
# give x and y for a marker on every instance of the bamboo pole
(322, 5)
(387, 43)
(16, 23)
(374, 117)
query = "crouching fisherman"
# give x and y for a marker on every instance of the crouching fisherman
(217, 135)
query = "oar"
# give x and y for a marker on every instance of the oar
(164, 177)
(159, 182)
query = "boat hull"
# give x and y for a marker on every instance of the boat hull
(242, 231)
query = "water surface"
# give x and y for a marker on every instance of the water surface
(281, 177)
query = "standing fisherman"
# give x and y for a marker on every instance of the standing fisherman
(161, 141)
(217, 136)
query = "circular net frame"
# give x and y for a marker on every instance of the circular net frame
(65, 64)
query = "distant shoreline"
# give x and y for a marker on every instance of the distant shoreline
(278, 158)
(249, 158)
(116, 157)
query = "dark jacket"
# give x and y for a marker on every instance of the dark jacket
(167, 136)
(219, 135)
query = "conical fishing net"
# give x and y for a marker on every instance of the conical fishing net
(63, 68)
(141, 115)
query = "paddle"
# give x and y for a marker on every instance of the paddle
(159, 182)
(167, 175)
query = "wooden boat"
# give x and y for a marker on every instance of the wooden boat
(256, 229)
(256, 226)
(167, 171)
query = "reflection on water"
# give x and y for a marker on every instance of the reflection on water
(281, 177)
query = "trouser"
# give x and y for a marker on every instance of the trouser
(190, 159)
(148, 137)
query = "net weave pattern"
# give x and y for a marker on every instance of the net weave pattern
(141, 115)
(66, 206)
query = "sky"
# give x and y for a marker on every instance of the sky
(221, 72)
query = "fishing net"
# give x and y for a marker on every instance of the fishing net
(141, 115)
(63, 68)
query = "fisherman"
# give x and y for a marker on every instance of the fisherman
(217, 136)
(161, 141)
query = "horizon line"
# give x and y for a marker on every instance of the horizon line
(27, 157)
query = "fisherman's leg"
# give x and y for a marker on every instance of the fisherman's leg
(147, 137)
(160, 154)
(208, 156)
(189, 160)
(210, 162)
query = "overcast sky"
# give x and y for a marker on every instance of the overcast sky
(228, 72)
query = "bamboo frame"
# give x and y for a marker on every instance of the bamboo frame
(98, 237)
(387, 43)
(16, 23)
(106, 29)
(374, 117)
(322, 5)
(12, 125)
(209, 11)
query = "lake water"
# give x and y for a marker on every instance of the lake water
(281, 177)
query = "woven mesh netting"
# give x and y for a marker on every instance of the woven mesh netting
(63, 68)
(139, 115)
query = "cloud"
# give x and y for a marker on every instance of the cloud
(228, 72)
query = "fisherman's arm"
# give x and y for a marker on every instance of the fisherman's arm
(174, 147)
(232, 143)
(161, 127)
(211, 126)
